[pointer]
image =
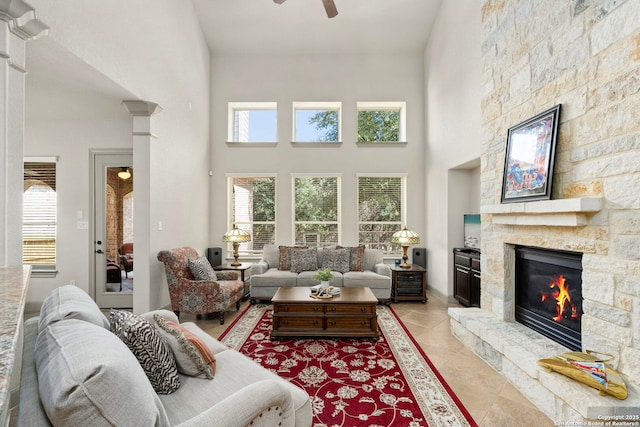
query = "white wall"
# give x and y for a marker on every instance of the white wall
(344, 78)
(452, 85)
(154, 51)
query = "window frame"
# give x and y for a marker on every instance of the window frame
(337, 222)
(248, 225)
(403, 208)
(400, 106)
(328, 106)
(232, 107)
(43, 270)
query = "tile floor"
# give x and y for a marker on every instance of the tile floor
(491, 400)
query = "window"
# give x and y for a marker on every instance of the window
(317, 121)
(381, 210)
(316, 210)
(381, 122)
(253, 208)
(253, 122)
(39, 214)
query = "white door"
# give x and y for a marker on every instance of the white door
(113, 228)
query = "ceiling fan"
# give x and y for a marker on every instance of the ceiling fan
(329, 6)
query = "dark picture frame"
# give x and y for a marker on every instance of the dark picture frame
(529, 159)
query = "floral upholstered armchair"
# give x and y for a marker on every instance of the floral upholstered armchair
(214, 292)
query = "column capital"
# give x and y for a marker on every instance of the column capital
(141, 108)
(21, 19)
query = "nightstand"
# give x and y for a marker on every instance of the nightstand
(409, 284)
(245, 273)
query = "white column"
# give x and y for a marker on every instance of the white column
(142, 112)
(18, 24)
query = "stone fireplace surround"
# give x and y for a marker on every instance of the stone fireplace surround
(513, 349)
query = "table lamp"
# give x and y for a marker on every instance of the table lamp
(236, 236)
(405, 238)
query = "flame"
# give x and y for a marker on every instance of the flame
(560, 292)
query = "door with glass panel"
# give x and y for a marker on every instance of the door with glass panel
(113, 243)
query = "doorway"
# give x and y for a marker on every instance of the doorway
(113, 260)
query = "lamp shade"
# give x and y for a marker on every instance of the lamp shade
(236, 235)
(405, 237)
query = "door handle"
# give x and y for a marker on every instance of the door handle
(99, 251)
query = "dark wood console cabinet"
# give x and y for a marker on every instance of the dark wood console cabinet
(466, 276)
(409, 284)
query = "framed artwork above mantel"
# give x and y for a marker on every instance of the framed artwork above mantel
(529, 159)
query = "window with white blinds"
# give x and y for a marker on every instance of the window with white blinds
(253, 208)
(39, 215)
(316, 210)
(381, 210)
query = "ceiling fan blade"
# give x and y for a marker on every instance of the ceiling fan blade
(279, 1)
(330, 7)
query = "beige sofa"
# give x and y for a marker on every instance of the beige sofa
(76, 372)
(269, 273)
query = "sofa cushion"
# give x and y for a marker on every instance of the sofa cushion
(304, 260)
(149, 348)
(192, 355)
(336, 259)
(88, 377)
(201, 269)
(371, 258)
(271, 255)
(70, 302)
(356, 257)
(285, 256)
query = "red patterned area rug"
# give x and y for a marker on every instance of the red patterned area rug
(354, 382)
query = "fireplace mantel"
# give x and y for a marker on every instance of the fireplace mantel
(560, 213)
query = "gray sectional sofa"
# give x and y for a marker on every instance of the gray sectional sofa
(76, 372)
(271, 272)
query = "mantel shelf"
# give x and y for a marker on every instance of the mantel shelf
(559, 213)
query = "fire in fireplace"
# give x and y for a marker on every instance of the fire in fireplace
(548, 293)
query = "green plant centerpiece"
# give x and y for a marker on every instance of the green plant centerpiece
(324, 275)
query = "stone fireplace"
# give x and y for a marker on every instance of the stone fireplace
(585, 56)
(513, 348)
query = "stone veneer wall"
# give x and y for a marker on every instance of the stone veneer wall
(585, 55)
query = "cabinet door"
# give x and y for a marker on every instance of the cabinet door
(475, 288)
(461, 289)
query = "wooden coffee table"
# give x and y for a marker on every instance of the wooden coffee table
(350, 314)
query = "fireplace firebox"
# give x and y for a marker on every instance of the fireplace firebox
(548, 293)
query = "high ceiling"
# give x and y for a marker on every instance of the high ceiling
(302, 27)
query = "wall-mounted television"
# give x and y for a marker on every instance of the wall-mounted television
(472, 231)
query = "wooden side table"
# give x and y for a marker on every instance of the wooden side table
(245, 273)
(409, 284)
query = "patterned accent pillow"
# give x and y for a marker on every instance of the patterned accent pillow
(193, 356)
(201, 269)
(336, 260)
(356, 257)
(147, 345)
(304, 260)
(285, 256)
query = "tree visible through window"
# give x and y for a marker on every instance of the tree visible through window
(316, 121)
(381, 122)
(380, 210)
(39, 215)
(317, 210)
(253, 208)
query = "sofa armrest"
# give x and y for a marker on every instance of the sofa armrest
(259, 267)
(382, 269)
(200, 286)
(263, 403)
(227, 275)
